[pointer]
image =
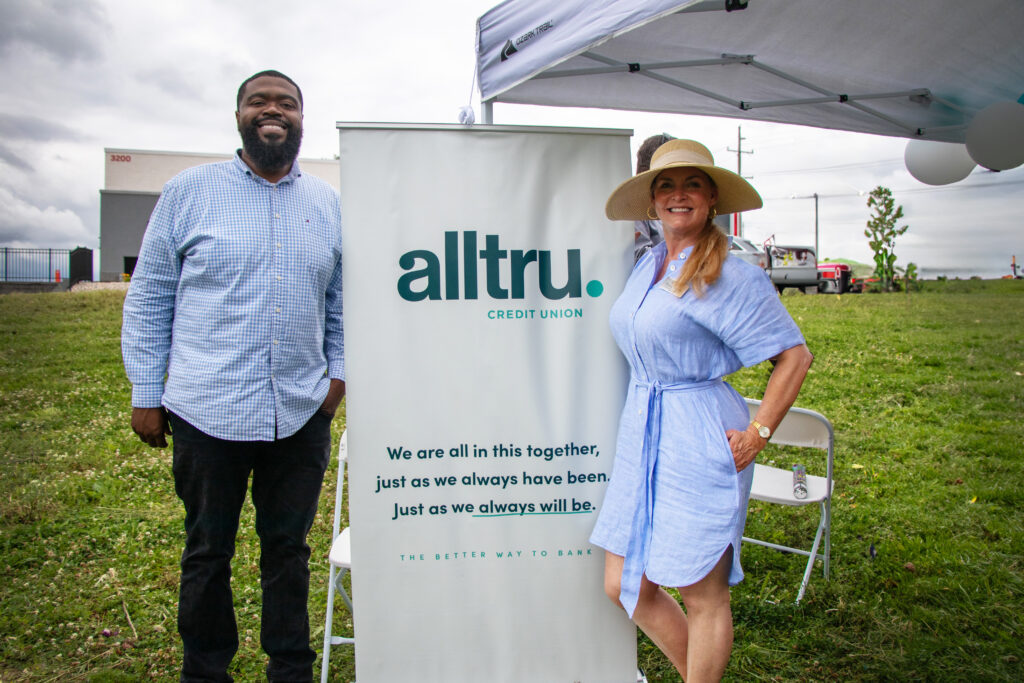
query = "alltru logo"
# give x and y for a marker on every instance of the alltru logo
(456, 274)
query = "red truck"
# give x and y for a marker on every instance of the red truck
(834, 278)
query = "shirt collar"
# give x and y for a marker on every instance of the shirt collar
(674, 268)
(240, 164)
(683, 255)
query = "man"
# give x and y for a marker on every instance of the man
(236, 299)
(647, 234)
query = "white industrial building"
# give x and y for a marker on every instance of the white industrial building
(133, 180)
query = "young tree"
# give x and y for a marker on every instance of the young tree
(882, 233)
(910, 276)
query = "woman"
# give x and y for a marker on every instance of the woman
(676, 504)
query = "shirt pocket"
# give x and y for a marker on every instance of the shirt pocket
(317, 240)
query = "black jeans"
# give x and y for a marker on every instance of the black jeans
(211, 476)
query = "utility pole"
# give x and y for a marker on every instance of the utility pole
(737, 217)
(817, 254)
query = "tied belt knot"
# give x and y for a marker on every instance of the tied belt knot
(643, 517)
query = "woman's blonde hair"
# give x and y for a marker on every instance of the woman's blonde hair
(705, 263)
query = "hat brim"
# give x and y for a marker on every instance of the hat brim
(631, 199)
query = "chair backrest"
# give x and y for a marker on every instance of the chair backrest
(339, 493)
(800, 427)
(806, 428)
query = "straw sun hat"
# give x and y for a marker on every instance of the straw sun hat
(632, 199)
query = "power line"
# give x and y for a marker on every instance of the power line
(838, 167)
(913, 190)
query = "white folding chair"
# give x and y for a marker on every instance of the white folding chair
(340, 558)
(807, 429)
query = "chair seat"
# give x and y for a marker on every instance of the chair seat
(341, 550)
(774, 485)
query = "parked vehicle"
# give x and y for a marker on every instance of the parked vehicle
(793, 266)
(749, 252)
(835, 278)
(787, 266)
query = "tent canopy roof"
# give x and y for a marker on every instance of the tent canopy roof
(909, 69)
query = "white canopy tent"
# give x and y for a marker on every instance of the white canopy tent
(918, 69)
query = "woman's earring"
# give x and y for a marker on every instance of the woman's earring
(654, 217)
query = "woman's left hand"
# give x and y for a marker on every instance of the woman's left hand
(784, 384)
(745, 446)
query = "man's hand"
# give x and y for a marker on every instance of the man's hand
(151, 426)
(334, 396)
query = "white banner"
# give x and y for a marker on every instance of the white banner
(483, 396)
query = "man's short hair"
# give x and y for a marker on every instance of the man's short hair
(646, 151)
(268, 72)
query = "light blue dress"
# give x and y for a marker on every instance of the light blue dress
(675, 501)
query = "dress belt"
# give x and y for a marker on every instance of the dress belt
(643, 517)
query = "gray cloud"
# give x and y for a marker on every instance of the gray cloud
(34, 128)
(23, 224)
(67, 30)
(170, 80)
(13, 160)
(15, 128)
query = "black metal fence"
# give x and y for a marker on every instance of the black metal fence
(45, 265)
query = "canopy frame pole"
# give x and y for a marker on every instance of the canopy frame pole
(946, 103)
(816, 88)
(616, 67)
(923, 95)
(933, 129)
(920, 92)
(487, 111)
(638, 69)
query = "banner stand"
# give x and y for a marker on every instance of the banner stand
(484, 389)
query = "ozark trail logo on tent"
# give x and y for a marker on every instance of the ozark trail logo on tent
(456, 272)
(510, 47)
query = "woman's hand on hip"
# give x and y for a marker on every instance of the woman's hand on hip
(745, 445)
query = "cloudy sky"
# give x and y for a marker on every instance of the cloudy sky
(84, 75)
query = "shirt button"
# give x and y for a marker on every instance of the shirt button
(279, 277)
(277, 215)
(672, 268)
(278, 245)
(277, 310)
(275, 341)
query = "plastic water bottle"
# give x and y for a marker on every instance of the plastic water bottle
(799, 481)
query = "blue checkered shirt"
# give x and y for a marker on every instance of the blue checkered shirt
(236, 300)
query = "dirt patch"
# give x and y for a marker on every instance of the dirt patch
(89, 286)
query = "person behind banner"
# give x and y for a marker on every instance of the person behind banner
(233, 342)
(690, 313)
(647, 232)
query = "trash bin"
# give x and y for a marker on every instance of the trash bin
(80, 262)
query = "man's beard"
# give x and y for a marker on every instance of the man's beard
(271, 156)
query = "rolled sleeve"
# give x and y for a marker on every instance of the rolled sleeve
(744, 311)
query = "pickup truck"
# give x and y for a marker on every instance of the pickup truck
(793, 266)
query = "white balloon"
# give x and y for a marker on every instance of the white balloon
(937, 163)
(995, 137)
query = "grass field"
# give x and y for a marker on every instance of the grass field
(926, 393)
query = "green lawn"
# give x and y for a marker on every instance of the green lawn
(926, 393)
